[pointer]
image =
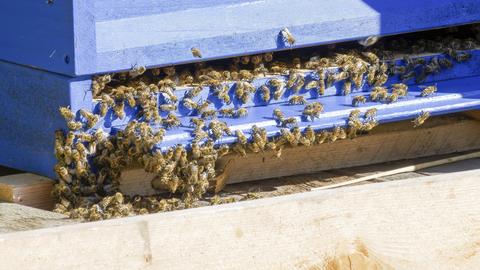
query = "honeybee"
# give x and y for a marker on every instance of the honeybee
(171, 121)
(445, 63)
(357, 100)
(217, 129)
(227, 112)
(119, 110)
(347, 87)
(199, 134)
(196, 52)
(189, 104)
(299, 83)
(400, 88)
(297, 100)
(292, 78)
(92, 119)
(420, 119)
(202, 106)
(381, 79)
(278, 114)
(168, 107)
(279, 88)
(197, 122)
(322, 136)
(428, 90)
(313, 110)
(241, 112)
(378, 93)
(287, 136)
(462, 57)
(290, 121)
(256, 59)
(311, 85)
(265, 93)
(241, 138)
(74, 125)
(239, 149)
(369, 125)
(208, 114)
(246, 75)
(105, 103)
(393, 97)
(287, 36)
(371, 113)
(371, 58)
(136, 71)
(62, 173)
(309, 134)
(66, 113)
(222, 94)
(268, 57)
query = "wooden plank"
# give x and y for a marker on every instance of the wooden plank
(15, 217)
(27, 189)
(389, 142)
(427, 223)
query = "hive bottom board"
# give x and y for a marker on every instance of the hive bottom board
(389, 142)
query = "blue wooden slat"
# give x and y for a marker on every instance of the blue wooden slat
(29, 99)
(107, 35)
(38, 34)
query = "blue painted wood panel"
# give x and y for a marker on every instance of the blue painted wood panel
(99, 36)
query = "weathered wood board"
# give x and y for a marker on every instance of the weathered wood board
(430, 222)
(396, 141)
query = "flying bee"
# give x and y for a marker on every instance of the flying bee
(279, 87)
(66, 113)
(171, 121)
(208, 114)
(287, 36)
(347, 87)
(196, 52)
(371, 113)
(290, 121)
(428, 90)
(278, 114)
(119, 110)
(420, 119)
(297, 100)
(358, 99)
(168, 107)
(74, 125)
(136, 71)
(378, 93)
(227, 112)
(265, 93)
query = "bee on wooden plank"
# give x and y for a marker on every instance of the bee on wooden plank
(421, 118)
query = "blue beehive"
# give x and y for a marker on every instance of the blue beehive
(53, 48)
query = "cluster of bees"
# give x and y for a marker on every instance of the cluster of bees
(90, 161)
